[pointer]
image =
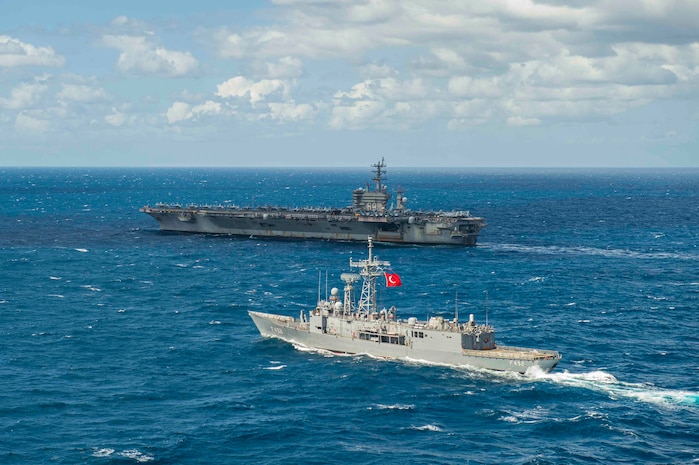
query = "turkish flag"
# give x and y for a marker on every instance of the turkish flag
(392, 279)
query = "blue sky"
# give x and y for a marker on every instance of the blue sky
(502, 83)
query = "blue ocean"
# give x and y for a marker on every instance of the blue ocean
(120, 344)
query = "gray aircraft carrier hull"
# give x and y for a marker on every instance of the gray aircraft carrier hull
(412, 229)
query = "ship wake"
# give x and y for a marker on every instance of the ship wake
(608, 384)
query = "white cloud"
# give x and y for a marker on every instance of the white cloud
(286, 67)
(240, 87)
(23, 96)
(140, 55)
(375, 71)
(328, 39)
(177, 112)
(181, 111)
(356, 115)
(290, 111)
(14, 52)
(466, 86)
(116, 119)
(378, 64)
(520, 121)
(81, 93)
(27, 123)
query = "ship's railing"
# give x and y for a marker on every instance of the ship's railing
(272, 316)
(517, 353)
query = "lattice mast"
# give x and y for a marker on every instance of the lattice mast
(369, 270)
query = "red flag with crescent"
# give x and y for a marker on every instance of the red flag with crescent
(392, 279)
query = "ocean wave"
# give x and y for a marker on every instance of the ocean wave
(91, 288)
(590, 251)
(133, 454)
(275, 367)
(136, 455)
(106, 452)
(430, 427)
(392, 407)
(529, 416)
(601, 381)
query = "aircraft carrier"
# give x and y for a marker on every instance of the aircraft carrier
(369, 215)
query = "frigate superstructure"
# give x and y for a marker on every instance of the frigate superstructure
(341, 325)
(369, 214)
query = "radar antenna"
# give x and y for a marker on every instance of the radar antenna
(369, 270)
(380, 171)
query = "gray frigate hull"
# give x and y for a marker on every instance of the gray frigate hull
(434, 346)
(344, 325)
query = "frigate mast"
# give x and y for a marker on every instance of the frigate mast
(370, 269)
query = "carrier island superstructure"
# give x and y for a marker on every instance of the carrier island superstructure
(341, 325)
(369, 215)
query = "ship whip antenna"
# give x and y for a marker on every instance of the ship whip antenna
(319, 275)
(456, 306)
(486, 307)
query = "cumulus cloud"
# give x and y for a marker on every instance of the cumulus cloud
(26, 123)
(393, 64)
(285, 68)
(388, 102)
(116, 118)
(255, 91)
(290, 111)
(530, 61)
(81, 93)
(23, 96)
(14, 52)
(141, 56)
(325, 38)
(181, 111)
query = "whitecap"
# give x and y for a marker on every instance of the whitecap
(607, 383)
(392, 407)
(82, 250)
(214, 322)
(60, 296)
(106, 452)
(91, 288)
(55, 278)
(136, 455)
(430, 427)
(275, 367)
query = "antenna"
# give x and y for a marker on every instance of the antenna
(486, 307)
(319, 275)
(456, 307)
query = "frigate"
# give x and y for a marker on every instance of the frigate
(340, 324)
(369, 214)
